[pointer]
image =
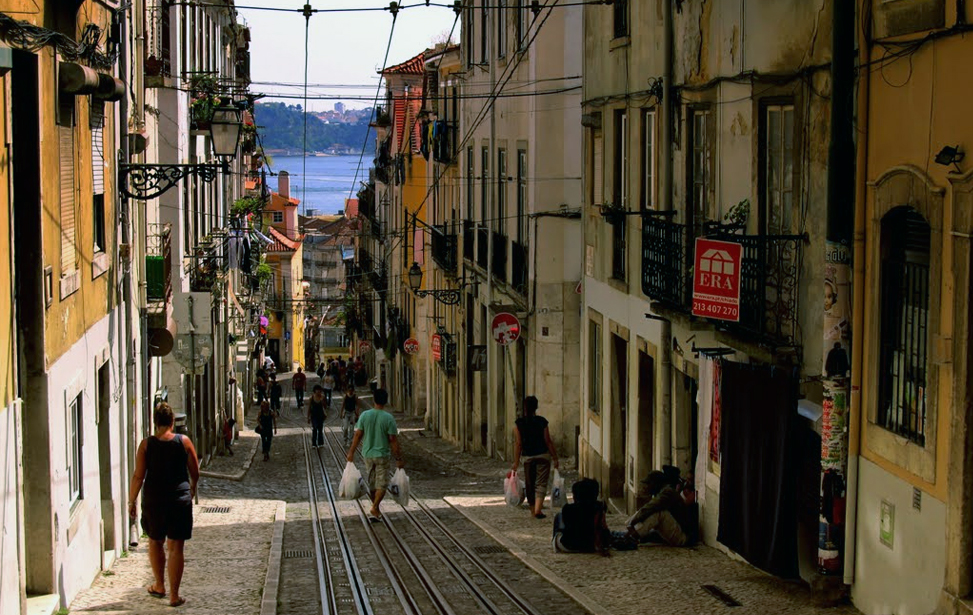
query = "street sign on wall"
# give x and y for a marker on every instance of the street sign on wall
(505, 328)
(436, 346)
(364, 346)
(410, 346)
(716, 279)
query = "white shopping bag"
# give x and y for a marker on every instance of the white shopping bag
(513, 489)
(350, 486)
(399, 487)
(558, 496)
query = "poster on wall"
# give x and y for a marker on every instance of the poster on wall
(714, 426)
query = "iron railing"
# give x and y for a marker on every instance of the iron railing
(482, 246)
(158, 262)
(499, 264)
(444, 248)
(769, 278)
(519, 267)
(905, 337)
(469, 251)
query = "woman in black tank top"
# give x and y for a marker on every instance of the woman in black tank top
(166, 472)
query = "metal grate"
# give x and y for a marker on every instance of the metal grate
(298, 554)
(490, 549)
(216, 509)
(721, 595)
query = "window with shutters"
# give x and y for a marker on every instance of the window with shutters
(470, 190)
(648, 159)
(97, 123)
(501, 15)
(484, 184)
(597, 171)
(484, 46)
(499, 224)
(69, 252)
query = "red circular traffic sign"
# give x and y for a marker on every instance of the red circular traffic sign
(364, 346)
(410, 346)
(505, 328)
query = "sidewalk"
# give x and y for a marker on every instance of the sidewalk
(655, 579)
(232, 560)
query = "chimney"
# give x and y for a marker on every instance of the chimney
(284, 184)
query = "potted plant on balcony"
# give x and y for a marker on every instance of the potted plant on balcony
(204, 99)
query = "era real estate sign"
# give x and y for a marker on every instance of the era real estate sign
(716, 279)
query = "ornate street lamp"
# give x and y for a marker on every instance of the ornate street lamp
(147, 181)
(446, 296)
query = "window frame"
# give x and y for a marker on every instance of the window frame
(501, 204)
(484, 34)
(500, 10)
(696, 213)
(470, 188)
(74, 448)
(274, 217)
(649, 177)
(522, 196)
(484, 184)
(777, 218)
(620, 19)
(594, 366)
(98, 234)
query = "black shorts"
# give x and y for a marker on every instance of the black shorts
(172, 520)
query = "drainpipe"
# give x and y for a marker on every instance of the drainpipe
(837, 304)
(499, 449)
(665, 366)
(857, 320)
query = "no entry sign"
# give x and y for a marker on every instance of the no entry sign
(505, 328)
(437, 347)
(410, 346)
(364, 346)
(716, 279)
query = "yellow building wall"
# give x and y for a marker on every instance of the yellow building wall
(8, 388)
(297, 309)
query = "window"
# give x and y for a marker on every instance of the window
(484, 46)
(69, 253)
(468, 35)
(470, 175)
(594, 366)
(903, 371)
(648, 159)
(484, 185)
(501, 14)
(778, 172)
(98, 222)
(277, 216)
(522, 22)
(97, 125)
(75, 440)
(501, 217)
(699, 173)
(522, 196)
(620, 21)
(620, 170)
(597, 171)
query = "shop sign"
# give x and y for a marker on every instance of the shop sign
(716, 279)
(437, 347)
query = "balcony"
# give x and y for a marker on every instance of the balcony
(469, 234)
(444, 248)
(158, 262)
(482, 245)
(519, 267)
(499, 264)
(769, 278)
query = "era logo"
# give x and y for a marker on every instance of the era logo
(716, 269)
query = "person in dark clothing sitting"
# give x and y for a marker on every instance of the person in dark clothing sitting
(666, 515)
(581, 527)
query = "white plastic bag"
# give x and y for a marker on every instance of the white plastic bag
(513, 489)
(558, 496)
(350, 486)
(399, 487)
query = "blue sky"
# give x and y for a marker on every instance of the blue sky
(345, 48)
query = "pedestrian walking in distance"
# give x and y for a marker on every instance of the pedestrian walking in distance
(266, 427)
(377, 433)
(533, 440)
(276, 392)
(350, 407)
(299, 382)
(316, 415)
(166, 472)
(328, 384)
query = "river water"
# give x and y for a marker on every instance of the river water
(328, 183)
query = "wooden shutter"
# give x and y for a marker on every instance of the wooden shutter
(97, 122)
(400, 119)
(69, 242)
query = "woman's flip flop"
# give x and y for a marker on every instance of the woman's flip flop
(179, 602)
(154, 593)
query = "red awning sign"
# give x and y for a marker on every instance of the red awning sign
(437, 347)
(716, 279)
(410, 346)
(505, 328)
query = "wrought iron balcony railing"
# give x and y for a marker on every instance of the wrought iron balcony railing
(444, 245)
(769, 277)
(519, 267)
(499, 264)
(158, 262)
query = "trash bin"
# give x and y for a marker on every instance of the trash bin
(179, 424)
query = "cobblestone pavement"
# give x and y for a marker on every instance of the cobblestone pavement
(653, 579)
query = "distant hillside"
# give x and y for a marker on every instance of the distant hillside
(281, 127)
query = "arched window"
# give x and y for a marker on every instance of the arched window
(904, 324)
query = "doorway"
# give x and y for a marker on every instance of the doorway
(105, 457)
(645, 444)
(619, 418)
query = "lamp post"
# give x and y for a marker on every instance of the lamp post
(147, 181)
(446, 296)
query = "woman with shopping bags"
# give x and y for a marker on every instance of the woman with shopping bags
(533, 441)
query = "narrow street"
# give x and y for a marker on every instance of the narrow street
(456, 548)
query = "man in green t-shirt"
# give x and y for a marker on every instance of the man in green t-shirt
(376, 431)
